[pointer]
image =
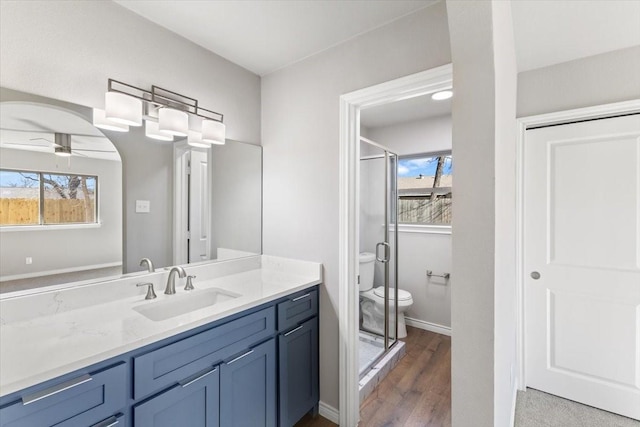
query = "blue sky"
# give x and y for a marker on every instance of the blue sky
(409, 168)
(16, 179)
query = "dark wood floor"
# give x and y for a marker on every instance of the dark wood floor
(417, 393)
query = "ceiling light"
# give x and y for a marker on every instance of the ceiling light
(173, 122)
(152, 131)
(124, 109)
(100, 121)
(194, 139)
(442, 95)
(213, 131)
(62, 146)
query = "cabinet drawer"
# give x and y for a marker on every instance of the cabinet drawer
(83, 401)
(113, 421)
(297, 309)
(174, 362)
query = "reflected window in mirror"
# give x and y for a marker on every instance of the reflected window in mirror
(38, 198)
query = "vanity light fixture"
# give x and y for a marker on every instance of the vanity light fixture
(100, 121)
(194, 139)
(173, 122)
(165, 113)
(151, 130)
(213, 132)
(62, 145)
(123, 109)
(442, 95)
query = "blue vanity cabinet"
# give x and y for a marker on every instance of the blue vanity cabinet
(87, 399)
(298, 360)
(257, 368)
(248, 388)
(194, 402)
(298, 357)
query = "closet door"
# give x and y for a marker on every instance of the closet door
(582, 262)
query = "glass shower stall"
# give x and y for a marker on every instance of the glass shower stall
(378, 258)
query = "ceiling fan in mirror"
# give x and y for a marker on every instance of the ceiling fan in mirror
(61, 144)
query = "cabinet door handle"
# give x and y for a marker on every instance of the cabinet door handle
(109, 422)
(296, 329)
(188, 383)
(301, 297)
(26, 400)
(240, 357)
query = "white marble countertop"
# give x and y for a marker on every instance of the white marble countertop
(47, 334)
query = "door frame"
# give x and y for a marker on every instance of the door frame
(423, 83)
(524, 123)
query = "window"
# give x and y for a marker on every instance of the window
(40, 198)
(424, 189)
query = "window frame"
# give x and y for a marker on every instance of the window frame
(411, 227)
(41, 225)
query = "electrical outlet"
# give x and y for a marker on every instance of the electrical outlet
(28, 260)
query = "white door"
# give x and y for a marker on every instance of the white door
(198, 214)
(582, 237)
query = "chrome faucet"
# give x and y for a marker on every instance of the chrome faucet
(148, 263)
(171, 281)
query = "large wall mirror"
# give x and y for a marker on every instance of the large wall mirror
(118, 197)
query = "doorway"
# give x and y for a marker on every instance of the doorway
(419, 84)
(579, 257)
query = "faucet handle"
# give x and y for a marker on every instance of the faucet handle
(189, 285)
(150, 292)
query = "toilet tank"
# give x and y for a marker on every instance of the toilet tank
(367, 267)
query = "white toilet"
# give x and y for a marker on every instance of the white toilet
(372, 301)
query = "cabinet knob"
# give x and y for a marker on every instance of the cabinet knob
(535, 275)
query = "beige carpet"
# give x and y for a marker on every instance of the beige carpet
(537, 409)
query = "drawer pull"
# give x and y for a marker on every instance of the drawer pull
(296, 329)
(240, 357)
(109, 422)
(56, 389)
(188, 383)
(301, 297)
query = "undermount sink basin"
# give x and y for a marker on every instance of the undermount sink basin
(177, 305)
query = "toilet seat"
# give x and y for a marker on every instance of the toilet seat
(402, 294)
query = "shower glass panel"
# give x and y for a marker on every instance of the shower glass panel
(378, 258)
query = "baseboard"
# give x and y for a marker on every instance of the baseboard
(428, 326)
(514, 398)
(59, 271)
(329, 412)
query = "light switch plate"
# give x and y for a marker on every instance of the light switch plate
(143, 206)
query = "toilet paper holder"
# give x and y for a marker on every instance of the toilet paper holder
(444, 275)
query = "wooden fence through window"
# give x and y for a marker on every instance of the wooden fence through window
(56, 211)
(421, 210)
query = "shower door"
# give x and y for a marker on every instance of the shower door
(378, 234)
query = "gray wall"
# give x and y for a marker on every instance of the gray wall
(56, 249)
(236, 209)
(67, 50)
(300, 137)
(600, 79)
(484, 76)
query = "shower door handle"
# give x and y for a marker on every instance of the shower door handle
(387, 249)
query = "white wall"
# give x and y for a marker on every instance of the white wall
(300, 136)
(418, 252)
(67, 50)
(55, 249)
(484, 76)
(505, 357)
(596, 80)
